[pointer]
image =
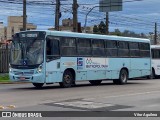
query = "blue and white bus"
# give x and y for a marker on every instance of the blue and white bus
(45, 57)
(155, 50)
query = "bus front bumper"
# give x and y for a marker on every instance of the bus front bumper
(35, 78)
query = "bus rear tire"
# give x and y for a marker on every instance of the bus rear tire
(95, 82)
(68, 79)
(123, 77)
(38, 85)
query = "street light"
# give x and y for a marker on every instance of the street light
(85, 24)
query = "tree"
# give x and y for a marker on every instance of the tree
(126, 33)
(95, 29)
(117, 32)
(99, 29)
(102, 27)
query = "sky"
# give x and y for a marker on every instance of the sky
(139, 16)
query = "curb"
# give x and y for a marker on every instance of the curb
(14, 82)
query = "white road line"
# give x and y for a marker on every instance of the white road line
(125, 95)
(133, 94)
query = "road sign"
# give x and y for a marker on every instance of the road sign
(110, 5)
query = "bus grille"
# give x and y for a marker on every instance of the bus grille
(24, 73)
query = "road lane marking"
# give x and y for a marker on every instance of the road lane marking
(133, 94)
(126, 95)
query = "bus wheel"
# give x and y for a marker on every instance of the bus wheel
(67, 79)
(38, 85)
(123, 77)
(95, 82)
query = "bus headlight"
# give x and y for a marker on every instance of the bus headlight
(39, 69)
(10, 69)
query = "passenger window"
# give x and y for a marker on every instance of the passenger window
(144, 49)
(134, 49)
(84, 47)
(52, 47)
(111, 48)
(123, 49)
(98, 48)
(68, 46)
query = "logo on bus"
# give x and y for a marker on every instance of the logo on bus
(79, 63)
(96, 63)
(89, 61)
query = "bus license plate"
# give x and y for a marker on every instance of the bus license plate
(22, 78)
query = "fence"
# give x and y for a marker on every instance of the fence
(4, 60)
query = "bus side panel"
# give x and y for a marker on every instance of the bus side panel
(91, 68)
(92, 74)
(96, 74)
(156, 66)
(108, 74)
(53, 73)
(95, 67)
(139, 67)
(81, 75)
(102, 74)
(68, 63)
(116, 64)
(146, 71)
(136, 69)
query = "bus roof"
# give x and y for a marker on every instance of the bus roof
(86, 35)
(155, 46)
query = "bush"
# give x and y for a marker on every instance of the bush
(4, 78)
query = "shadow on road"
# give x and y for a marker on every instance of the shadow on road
(82, 84)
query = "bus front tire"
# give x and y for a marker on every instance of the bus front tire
(68, 79)
(123, 77)
(95, 82)
(38, 85)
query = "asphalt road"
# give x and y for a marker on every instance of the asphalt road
(137, 95)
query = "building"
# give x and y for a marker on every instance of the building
(1, 32)
(89, 29)
(15, 24)
(67, 25)
(1, 25)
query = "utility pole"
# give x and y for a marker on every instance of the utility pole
(24, 15)
(57, 15)
(107, 23)
(155, 34)
(75, 19)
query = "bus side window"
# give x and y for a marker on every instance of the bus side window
(52, 48)
(123, 49)
(48, 47)
(68, 46)
(134, 49)
(111, 48)
(84, 47)
(144, 49)
(98, 48)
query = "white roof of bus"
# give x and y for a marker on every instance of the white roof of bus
(86, 35)
(155, 46)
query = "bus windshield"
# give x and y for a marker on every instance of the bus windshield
(27, 49)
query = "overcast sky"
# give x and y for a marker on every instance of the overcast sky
(138, 16)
